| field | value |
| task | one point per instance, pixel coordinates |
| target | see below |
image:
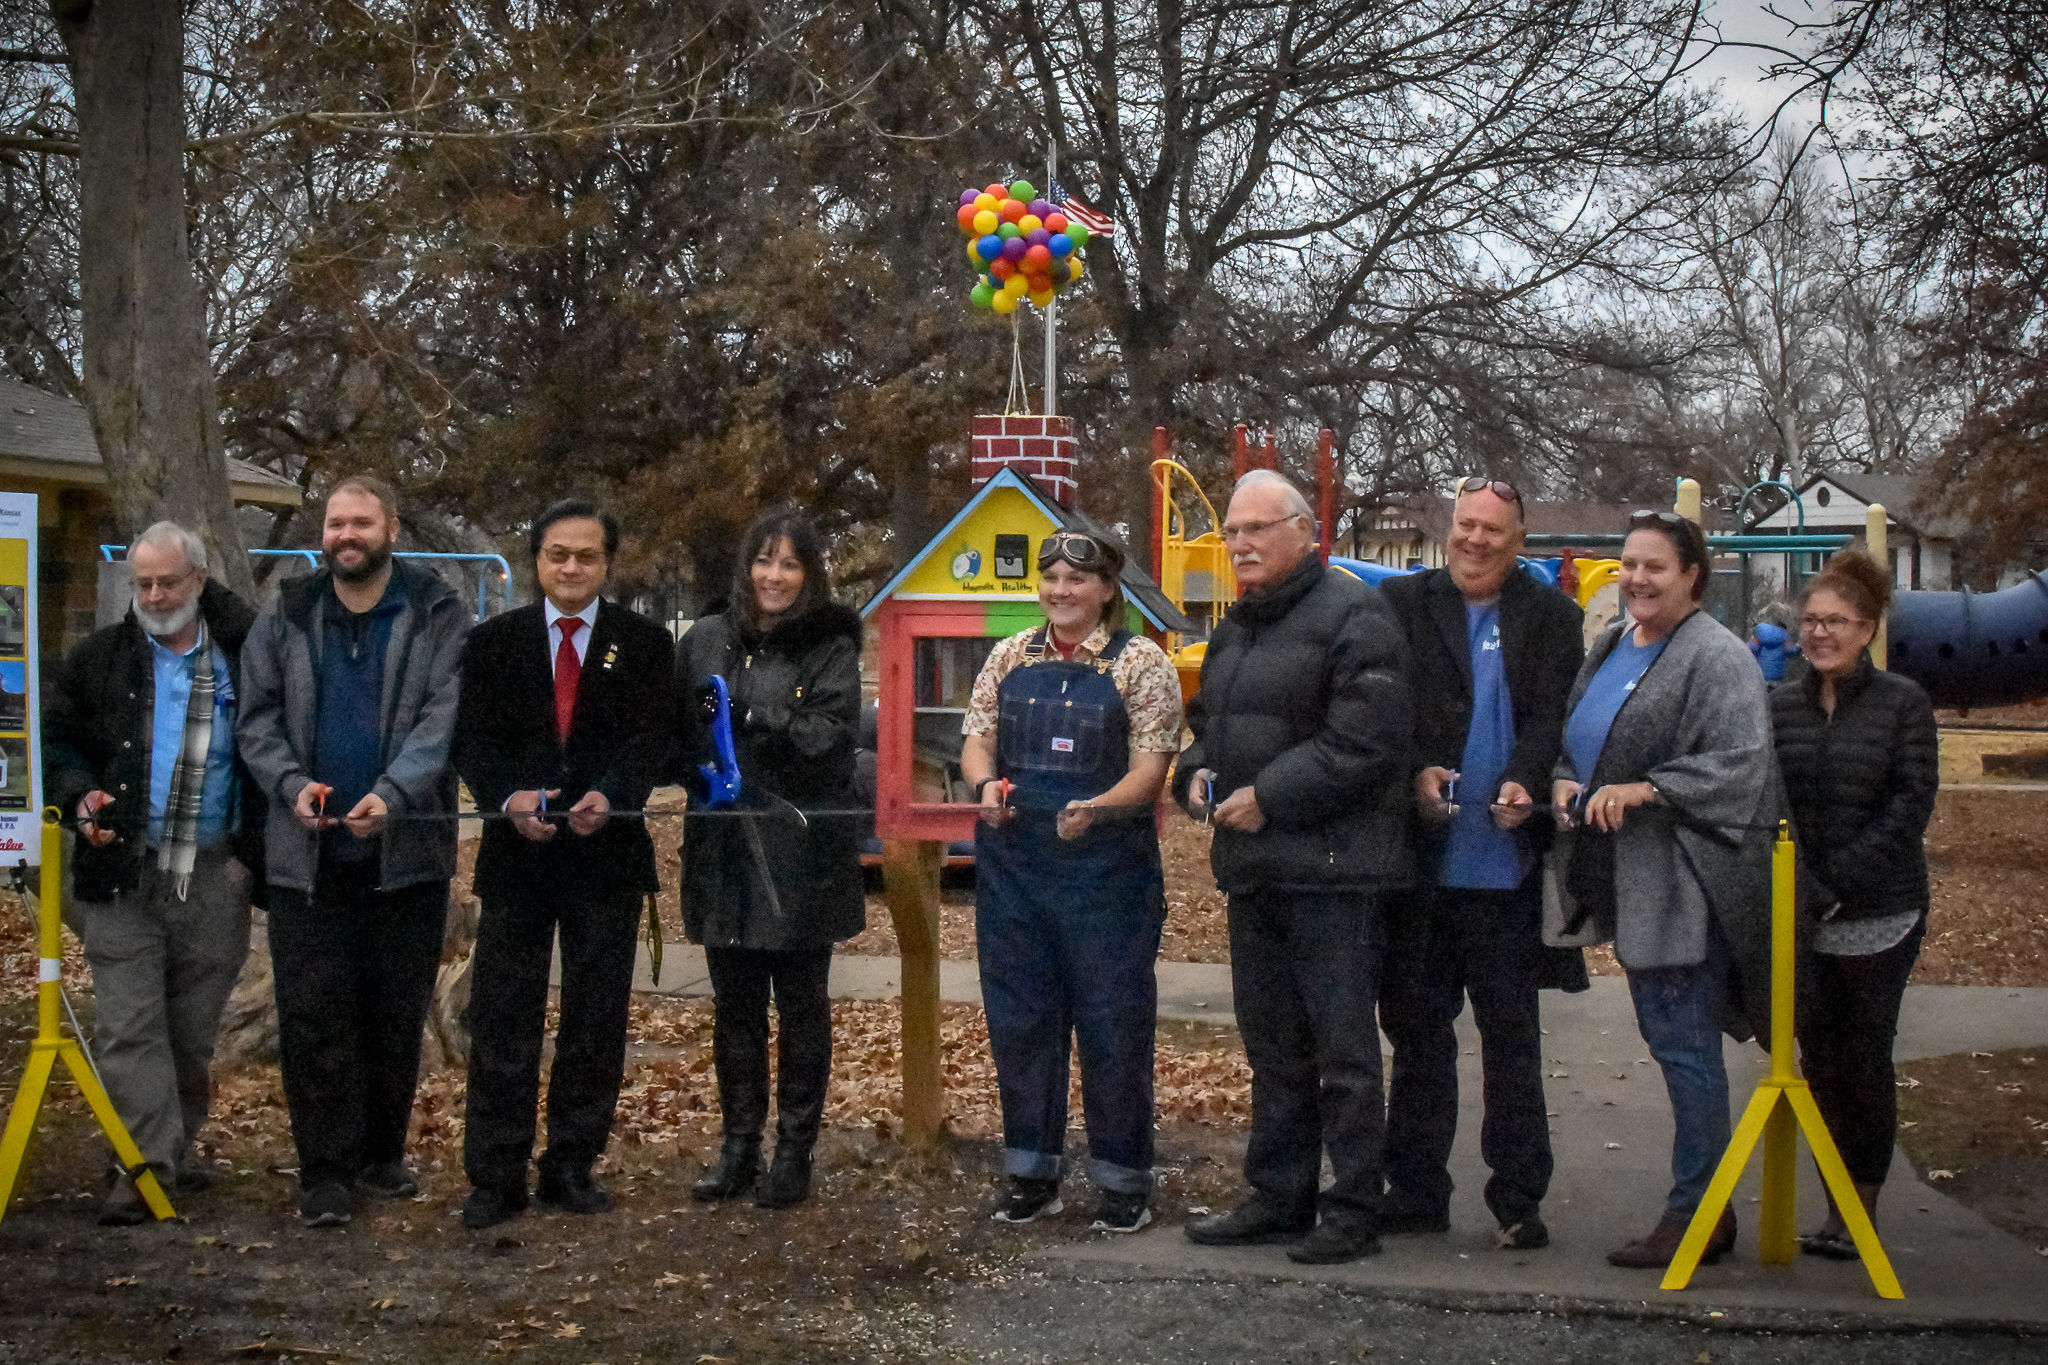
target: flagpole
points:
(1052, 368)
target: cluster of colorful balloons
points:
(1021, 246)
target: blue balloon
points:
(990, 247)
(1060, 245)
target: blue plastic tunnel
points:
(1974, 649)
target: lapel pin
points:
(611, 656)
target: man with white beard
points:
(139, 747)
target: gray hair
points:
(168, 535)
(1290, 496)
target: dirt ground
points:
(1976, 1126)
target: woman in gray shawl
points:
(1668, 786)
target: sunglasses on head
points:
(1500, 488)
(1651, 516)
(1079, 549)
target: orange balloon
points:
(1038, 260)
(1002, 268)
(965, 217)
(1038, 284)
(1010, 210)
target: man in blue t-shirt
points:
(1493, 654)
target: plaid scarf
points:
(180, 846)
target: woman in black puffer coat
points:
(768, 892)
(1858, 750)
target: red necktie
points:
(568, 672)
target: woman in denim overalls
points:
(1075, 726)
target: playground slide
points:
(1974, 649)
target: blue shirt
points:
(1480, 854)
(1585, 733)
(167, 738)
(348, 741)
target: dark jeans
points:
(1062, 969)
(1305, 971)
(1677, 1012)
(1450, 944)
(742, 980)
(355, 972)
(1848, 1014)
(508, 1003)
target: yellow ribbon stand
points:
(1782, 1107)
(51, 1046)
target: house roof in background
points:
(46, 435)
(1431, 515)
(1900, 494)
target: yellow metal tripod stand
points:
(1778, 1112)
(52, 1046)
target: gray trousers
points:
(162, 969)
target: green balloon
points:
(1007, 230)
(981, 295)
(1077, 234)
(1023, 191)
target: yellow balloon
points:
(986, 201)
(985, 221)
(974, 257)
(1016, 286)
(1003, 302)
(1074, 267)
(1043, 298)
(1030, 222)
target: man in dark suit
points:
(1492, 654)
(565, 717)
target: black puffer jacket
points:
(772, 881)
(96, 737)
(1305, 698)
(1861, 784)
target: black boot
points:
(733, 1174)
(789, 1179)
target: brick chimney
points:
(1040, 448)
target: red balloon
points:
(1010, 210)
(1056, 222)
(1038, 284)
(1001, 268)
(965, 217)
(1037, 259)
(1001, 192)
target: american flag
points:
(1095, 220)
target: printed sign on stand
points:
(21, 777)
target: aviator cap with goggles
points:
(1081, 550)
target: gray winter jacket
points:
(280, 694)
(1698, 727)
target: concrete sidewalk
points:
(1612, 1135)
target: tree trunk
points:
(148, 384)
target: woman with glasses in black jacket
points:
(1858, 750)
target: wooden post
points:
(910, 876)
(1240, 453)
(1162, 449)
(1875, 529)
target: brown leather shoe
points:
(1655, 1250)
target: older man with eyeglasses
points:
(1301, 760)
(139, 747)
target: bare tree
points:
(147, 384)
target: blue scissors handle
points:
(722, 775)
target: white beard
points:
(170, 624)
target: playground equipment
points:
(1974, 649)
